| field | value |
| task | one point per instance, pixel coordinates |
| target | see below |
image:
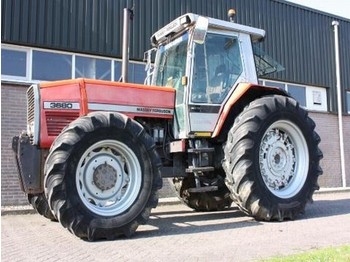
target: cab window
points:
(217, 65)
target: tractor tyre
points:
(204, 201)
(39, 203)
(102, 176)
(272, 159)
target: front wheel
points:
(39, 203)
(272, 159)
(102, 176)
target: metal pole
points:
(125, 55)
(335, 24)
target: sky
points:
(336, 7)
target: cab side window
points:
(217, 66)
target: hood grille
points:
(30, 104)
(33, 114)
(56, 121)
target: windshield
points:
(170, 65)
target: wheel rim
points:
(284, 159)
(108, 178)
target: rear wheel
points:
(204, 201)
(102, 176)
(272, 159)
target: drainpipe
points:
(125, 56)
(335, 24)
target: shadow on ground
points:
(326, 208)
(190, 222)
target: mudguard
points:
(28, 161)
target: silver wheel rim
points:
(284, 159)
(108, 178)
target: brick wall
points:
(13, 121)
(327, 128)
(346, 128)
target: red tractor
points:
(95, 152)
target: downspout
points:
(128, 13)
(335, 24)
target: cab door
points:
(216, 68)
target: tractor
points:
(95, 152)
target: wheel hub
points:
(283, 159)
(108, 177)
(105, 177)
(277, 159)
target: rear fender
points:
(241, 97)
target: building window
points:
(26, 64)
(14, 63)
(298, 93)
(276, 84)
(117, 70)
(139, 73)
(92, 68)
(136, 72)
(31, 65)
(348, 101)
(51, 66)
(310, 97)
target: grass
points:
(332, 254)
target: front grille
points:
(56, 121)
(33, 114)
(30, 105)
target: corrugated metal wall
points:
(90, 26)
(302, 40)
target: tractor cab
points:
(204, 59)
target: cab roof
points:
(189, 19)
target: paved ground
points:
(175, 233)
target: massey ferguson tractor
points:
(95, 152)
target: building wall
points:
(13, 121)
(328, 129)
(301, 39)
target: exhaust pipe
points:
(128, 14)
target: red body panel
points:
(240, 91)
(237, 94)
(132, 99)
(64, 101)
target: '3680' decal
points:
(60, 105)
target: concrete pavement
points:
(176, 233)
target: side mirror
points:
(200, 30)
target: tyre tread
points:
(56, 164)
(239, 166)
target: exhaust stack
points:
(128, 14)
